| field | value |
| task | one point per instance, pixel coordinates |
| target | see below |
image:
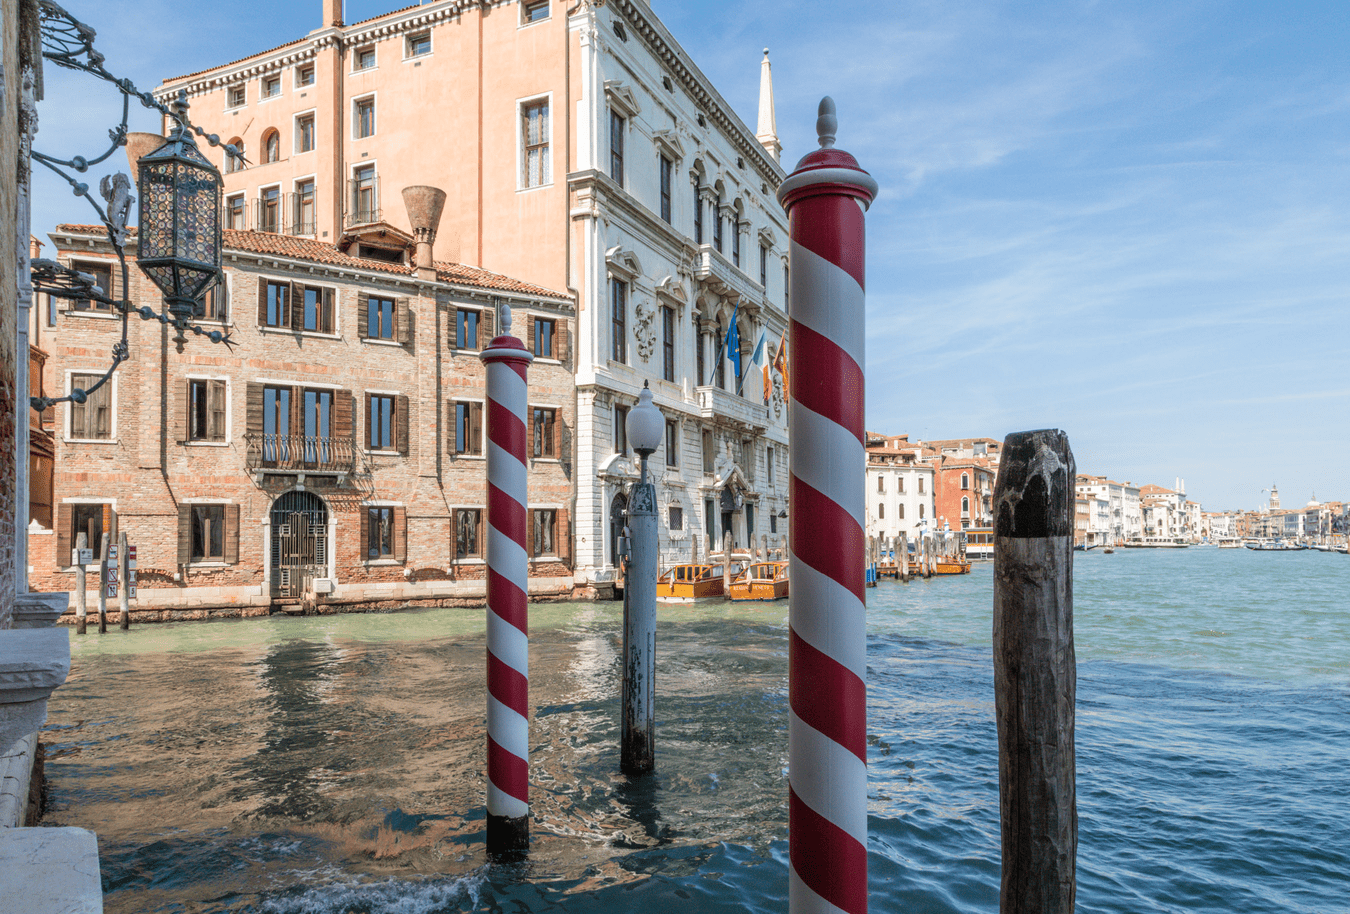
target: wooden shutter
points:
(262, 301)
(365, 534)
(328, 310)
(560, 341)
(451, 426)
(529, 332)
(401, 534)
(403, 321)
(557, 434)
(79, 418)
(215, 429)
(63, 542)
(253, 408)
(562, 537)
(184, 534)
(343, 410)
(487, 322)
(402, 420)
(231, 534)
(475, 428)
(297, 302)
(531, 521)
(180, 416)
(363, 315)
(454, 328)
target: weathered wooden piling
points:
(123, 590)
(726, 562)
(103, 585)
(902, 557)
(81, 585)
(508, 656)
(637, 739)
(1035, 674)
(826, 197)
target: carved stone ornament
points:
(777, 394)
(644, 330)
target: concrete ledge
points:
(16, 771)
(50, 871)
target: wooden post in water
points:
(902, 557)
(103, 584)
(726, 562)
(81, 597)
(1035, 673)
(123, 606)
(764, 544)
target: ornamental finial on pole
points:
(827, 125)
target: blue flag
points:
(734, 342)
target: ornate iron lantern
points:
(179, 239)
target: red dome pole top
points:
(506, 347)
(827, 170)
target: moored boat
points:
(760, 581)
(689, 583)
(951, 564)
(1156, 542)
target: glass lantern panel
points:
(155, 239)
(198, 214)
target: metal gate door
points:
(299, 543)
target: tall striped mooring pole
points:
(825, 199)
(508, 642)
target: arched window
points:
(902, 511)
(235, 162)
(965, 507)
(965, 481)
(271, 146)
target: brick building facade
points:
(335, 454)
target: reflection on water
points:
(335, 764)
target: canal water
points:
(335, 764)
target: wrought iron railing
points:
(300, 452)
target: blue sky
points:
(1124, 220)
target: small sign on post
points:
(112, 590)
(84, 557)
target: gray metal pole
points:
(637, 753)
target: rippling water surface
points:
(335, 764)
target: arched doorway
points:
(618, 517)
(299, 543)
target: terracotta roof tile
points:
(308, 249)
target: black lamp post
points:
(178, 240)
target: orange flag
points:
(780, 363)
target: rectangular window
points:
(318, 303)
(666, 168)
(769, 463)
(206, 410)
(717, 224)
(534, 10)
(419, 45)
(764, 266)
(269, 209)
(271, 86)
(621, 430)
(103, 279)
(709, 525)
(87, 519)
(304, 133)
(672, 443)
(708, 454)
(773, 523)
(676, 518)
(545, 432)
(380, 419)
(618, 291)
(364, 204)
(380, 319)
(668, 343)
(900, 485)
(276, 424)
(304, 75)
(278, 303)
(544, 526)
(238, 95)
(208, 533)
(380, 535)
(920, 485)
(698, 214)
(468, 428)
(534, 139)
(91, 420)
(234, 212)
(303, 217)
(364, 59)
(701, 342)
(543, 338)
(467, 539)
(616, 125)
(881, 484)
(735, 242)
(365, 118)
(466, 329)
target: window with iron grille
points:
(534, 134)
(616, 125)
(666, 168)
(544, 527)
(206, 410)
(618, 290)
(302, 219)
(467, 539)
(91, 420)
(676, 518)
(419, 45)
(365, 203)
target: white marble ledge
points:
(33, 662)
(50, 871)
(38, 610)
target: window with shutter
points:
(363, 319)
(468, 540)
(400, 534)
(544, 432)
(91, 420)
(466, 436)
(93, 520)
(232, 534)
(402, 423)
(205, 410)
(562, 536)
(404, 321)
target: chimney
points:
(332, 13)
(138, 145)
(424, 205)
(34, 247)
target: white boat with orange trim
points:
(760, 581)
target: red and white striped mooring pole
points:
(508, 641)
(825, 198)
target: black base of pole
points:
(508, 838)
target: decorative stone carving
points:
(644, 329)
(777, 394)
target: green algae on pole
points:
(1035, 673)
